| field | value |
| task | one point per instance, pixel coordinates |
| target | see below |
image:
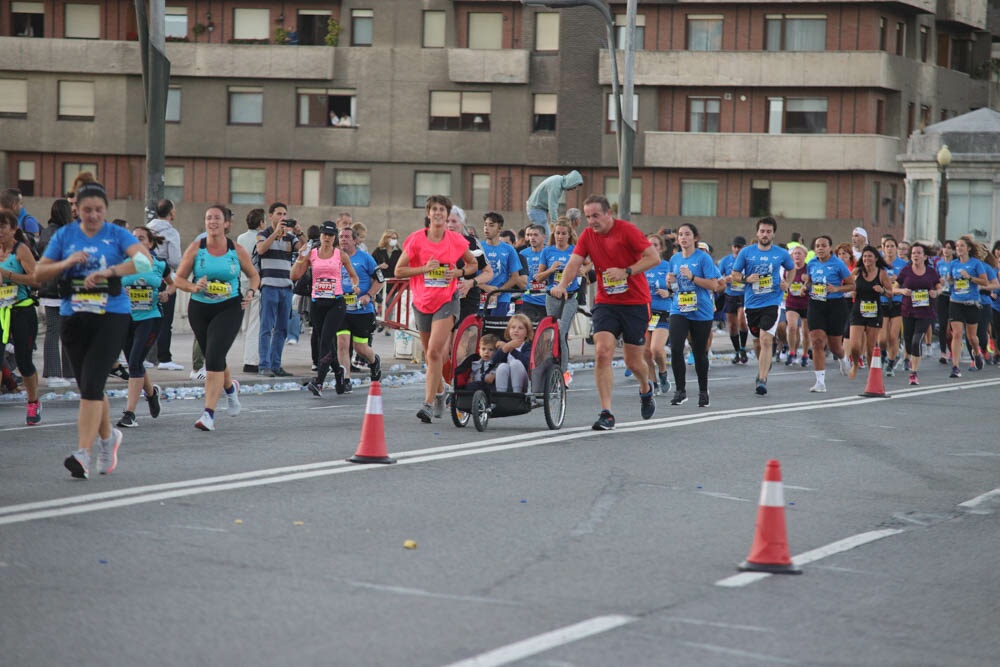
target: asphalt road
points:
(258, 545)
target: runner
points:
(758, 266)
(870, 281)
(144, 290)
(18, 316)
(694, 278)
(892, 317)
(967, 273)
(215, 311)
(620, 253)
(430, 260)
(554, 257)
(533, 303)
(797, 307)
(359, 321)
(735, 318)
(943, 301)
(89, 257)
(986, 301)
(918, 284)
(828, 279)
(659, 317)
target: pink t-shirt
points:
(430, 291)
(327, 283)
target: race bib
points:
(687, 302)
(141, 298)
(961, 286)
(612, 286)
(558, 277)
(764, 285)
(737, 286)
(324, 288)
(8, 296)
(488, 301)
(920, 298)
(217, 290)
(818, 292)
(653, 321)
(869, 309)
(89, 303)
(352, 301)
(437, 277)
(795, 289)
(536, 286)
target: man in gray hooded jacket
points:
(543, 204)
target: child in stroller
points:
(481, 370)
(512, 359)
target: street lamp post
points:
(943, 161)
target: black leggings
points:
(983, 331)
(996, 328)
(914, 330)
(942, 302)
(142, 335)
(680, 327)
(92, 342)
(215, 327)
(327, 317)
(23, 330)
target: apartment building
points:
(798, 109)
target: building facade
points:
(797, 109)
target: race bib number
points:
(437, 277)
(8, 296)
(869, 309)
(488, 301)
(653, 321)
(961, 286)
(920, 298)
(737, 286)
(687, 302)
(141, 298)
(612, 286)
(764, 285)
(795, 289)
(324, 288)
(89, 303)
(558, 277)
(217, 290)
(352, 301)
(536, 286)
(818, 292)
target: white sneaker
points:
(206, 422)
(233, 400)
(148, 364)
(107, 456)
(170, 366)
(845, 366)
(819, 388)
(199, 374)
(57, 382)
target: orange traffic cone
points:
(769, 552)
(875, 388)
(372, 446)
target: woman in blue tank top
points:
(18, 318)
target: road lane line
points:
(544, 642)
(770, 659)
(974, 503)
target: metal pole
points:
(626, 125)
(942, 226)
(156, 80)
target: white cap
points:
(861, 231)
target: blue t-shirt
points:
(944, 270)
(986, 297)
(767, 265)
(893, 271)
(963, 290)
(529, 264)
(726, 268)
(824, 274)
(691, 301)
(505, 261)
(657, 279)
(367, 269)
(143, 291)
(223, 274)
(551, 255)
(106, 248)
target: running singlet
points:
(919, 304)
(106, 248)
(866, 299)
(620, 247)
(765, 263)
(893, 271)
(797, 298)
(11, 293)
(143, 291)
(551, 255)
(734, 288)
(430, 291)
(366, 268)
(326, 275)
(222, 272)
(691, 301)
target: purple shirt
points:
(918, 304)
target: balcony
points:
(927, 6)
(971, 14)
(770, 152)
(489, 66)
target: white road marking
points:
(974, 503)
(800, 488)
(716, 624)
(418, 592)
(544, 642)
(741, 654)
(723, 496)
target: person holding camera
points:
(276, 247)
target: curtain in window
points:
(699, 198)
(798, 199)
(803, 34)
(970, 209)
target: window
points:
(961, 55)
(246, 105)
(798, 199)
(699, 197)
(879, 116)
(925, 214)
(911, 118)
(790, 32)
(70, 170)
(613, 116)
(460, 111)
(876, 201)
(173, 105)
(925, 115)
(353, 188)
(427, 183)
(796, 115)
(545, 112)
(362, 27)
(312, 27)
(900, 38)
(175, 23)
(547, 32)
(640, 31)
(26, 177)
(76, 100)
(434, 29)
(27, 19)
(943, 49)
(481, 192)
(704, 114)
(485, 30)
(704, 33)
(251, 24)
(13, 98)
(970, 208)
(611, 187)
(83, 21)
(325, 107)
(173, 184)
(883, 36)
(760, 198)
(310, 187)
(246, 186)
(924, 46)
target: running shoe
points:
(34, 413)
(376, 369)
(680, 396)
(845, 366)
(664, 382)
(790, 360)
(943, 360)
(170, 366)
(120, 372)
(656, 389)
(280, 372)
(818, 388)
(424, 413)
(233, 400)
(979, 362)
(200, 374)
(206, 422)
(107, 456)
(906, 365)
(338, 380)
(647, 405)
(690, 358)
(439, 404)
(955, 373)
(605, 421)
(348, 386)
(913, 379)
(78, 464)
(128, 420)
(628, 372)
(890, 368)
(972, 367)
(743, 356)
(315, 388)
(736, 358)
(805, 361)
(761, 388)
(703, 399)
(154, 402)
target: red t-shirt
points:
(430, 291)
(622, 246)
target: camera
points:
(289, 222)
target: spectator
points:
(275, 246)
(169, 251)
(251, 314)
(543, 204)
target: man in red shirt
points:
(620, 253)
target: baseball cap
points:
(330, 228)
(739, 242)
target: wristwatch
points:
(628, 270)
